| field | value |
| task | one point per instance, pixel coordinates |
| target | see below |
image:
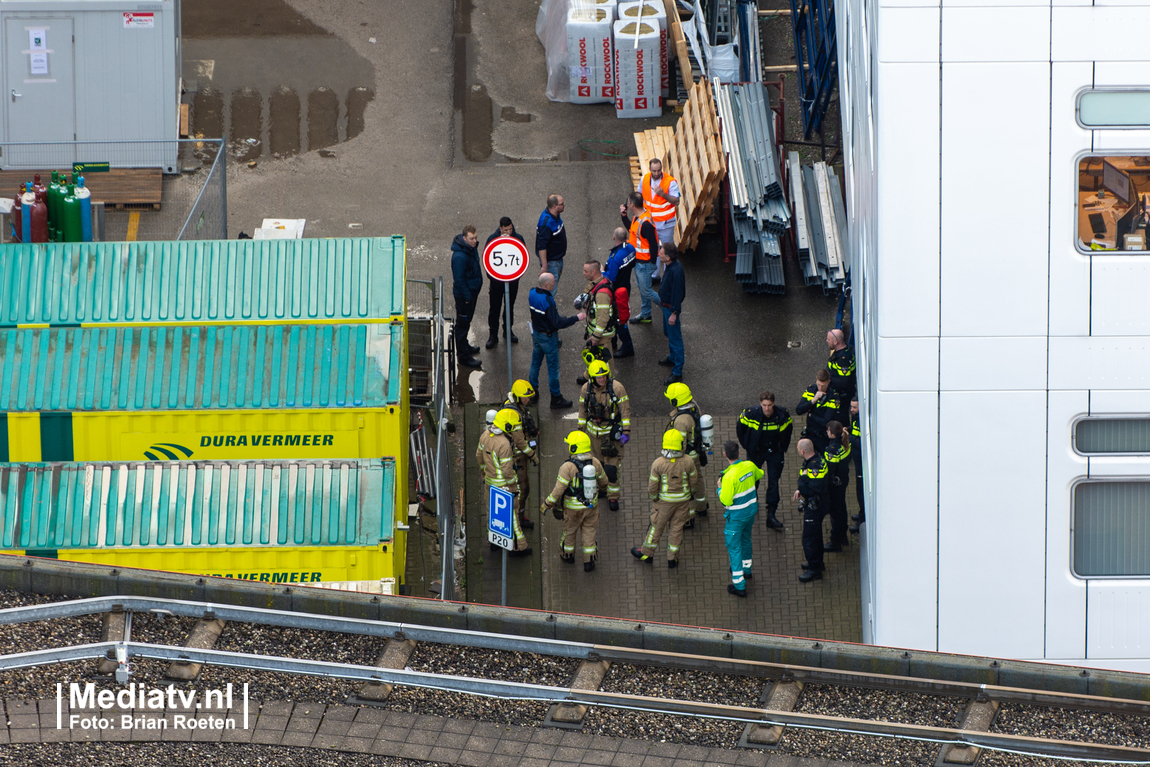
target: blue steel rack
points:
(813, 23)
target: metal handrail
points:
(1019, 744)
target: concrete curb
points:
(56, 578)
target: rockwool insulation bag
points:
(652, 10)
(637, 70)
(551, 29)
(590, 55)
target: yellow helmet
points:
(578, 443)
(673, 440)
(679, 394)
(522, 390)
(598, 368)
(506, 420)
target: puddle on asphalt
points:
(271, 81)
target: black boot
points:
(772, 521)
(491, 342)
(558, 403)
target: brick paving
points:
(695, 593)
(368, 730)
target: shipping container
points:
(242, 392)
(204, 282)
(274, 521)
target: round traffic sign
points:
(505, 259)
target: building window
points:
(1112, 529)
(1113, 192)
(1114, 109)
(1101, 436)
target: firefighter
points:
(673, 474)
(495, 456)
(738, 491)
(837, 457)
(685, 417)
(580, 504)
(605, 414)
(821, 405)
(602, 317)
(812, 498)
(526, 439)
(764, 431)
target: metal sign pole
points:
(507, 339)
(503, 593)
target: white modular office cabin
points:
(997, 170)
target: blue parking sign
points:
(500, 508)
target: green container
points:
(71, 222)
(55, 203)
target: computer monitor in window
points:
(1116, 181)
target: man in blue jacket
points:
(551, 238)
(545, 326)
(466, 282)
(672, 291)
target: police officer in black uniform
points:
(814, 502)
(841, 365)
(764, 431)
(821, 405)
(856, 454)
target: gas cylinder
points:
(707, 429)
(38, 185)
(35, 217)
(70, 224)
(84, 195)
(18, 215)
(55, 204)
(590, 486)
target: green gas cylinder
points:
(72, 225)
(55, 200)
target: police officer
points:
(601, 316)
(673, 474)
(765, 433)
(856, 454)
(545, 326)
(580, 510)
(495, 456)
(738, 491)
(526, 438)
(685, 418)
(821, 406)
(837, 456)
(841, 365)
(812, 498)
(605, 414)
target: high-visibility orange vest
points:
(661, 210)
(642, 252)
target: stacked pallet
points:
(693, 156)
(820, 223)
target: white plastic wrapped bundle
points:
(653, 11)
(590, 55)
(637, 69)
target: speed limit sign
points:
(505, 259)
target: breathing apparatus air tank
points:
(491, 417)
(590, 486)
(707, 429)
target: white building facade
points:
(1000, 269)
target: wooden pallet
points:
(651, 144)
(119, 186)
(678, 39)
(697, 162)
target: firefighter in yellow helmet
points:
(605, 414)
(673, 474)
(578, 495)
(685, 416)
(495, 456)
(525, 438)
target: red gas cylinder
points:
(18, 214)
(39, 217)
(37, 186)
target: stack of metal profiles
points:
(759, 214)
(820, 223)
